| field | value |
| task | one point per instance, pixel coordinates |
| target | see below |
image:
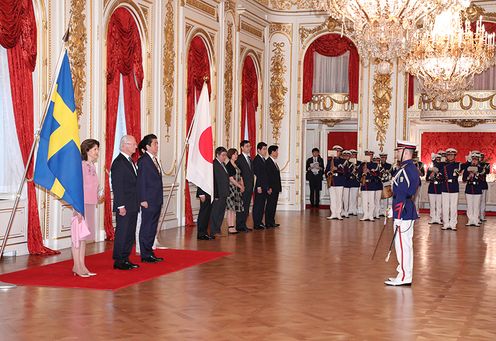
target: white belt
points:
(450, 180)
(435, 182)
(335, 174)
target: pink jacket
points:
(90, 183)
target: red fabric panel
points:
(21, 52)
(332, 45)
(463, 142)
(123, 57)
(346, 139)
(249, 101)
(411, 90)
(198, 72)
(18, 26)
(489, 26)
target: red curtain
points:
(123, 57)
(332, 45)
(490, 27)
(198, 72)
(463, 142)
(18, 36)
(249, 101)
(411, 90)
(346, 139)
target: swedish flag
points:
(58, 162)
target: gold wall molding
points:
(230, 6)
(474, 12)
(278, 88)
(169, 65)
(228, 82)
(77, 51)
(187, 28)
(330, 25)
(202, 6)
(330, 123)
(250, 29)
(382, 95)
(289, 4)
(286, 29)
(468, 123)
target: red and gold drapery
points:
(332, 45)
(123, 57)
(18, 36)
(249, 101)
(198, 73)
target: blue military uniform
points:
(473, 189)
(450, 172)
(486, 170)
(434, 177)
(405, 184)
(336, 188)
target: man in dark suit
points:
(314, 176)
(123, 174)
(221, 190)
(275, 186)
(203, 214)
(244, 163)
(261, 185)
(151, 198)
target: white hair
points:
(124, 139)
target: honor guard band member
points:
(450, 171)
(387, 169)
(378, 186)
(350, 196)
(434, 178)
(335, 172)
(486, 169)
(367, 186)
(405, 185)
(473, 188)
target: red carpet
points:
(60, 274)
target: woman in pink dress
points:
(83, 229)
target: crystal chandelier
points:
(446, 56)
(382, 28)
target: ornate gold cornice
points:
(77, 51)
(289, 4)
(382, 95)
(330, 123)
(474, 12)
(329, 25)
(251, 30)
(467, 123)
(169, 64)
(201, 6)
(228, 81)
(278, 88)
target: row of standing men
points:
(346, 176)
(236, 178)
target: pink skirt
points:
(90, 218)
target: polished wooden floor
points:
(311, 279)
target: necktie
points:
(157, 164)
(223, 166)
(249, 160)
(132, 163)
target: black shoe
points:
(269, 226)
(211, 237)
(132, 265)
(122, 266)
(277, 225)
(152, 259)
(259, 227)
(204, 237)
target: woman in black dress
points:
(236, 188)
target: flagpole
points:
(169, 197)
(31, 153)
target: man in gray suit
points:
(221, 190)
(244, 163)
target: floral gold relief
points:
(278, 89)
(228, 82)
(169, 64)
(281, 28)
(330, 25)
(382, 95)
(77, 51)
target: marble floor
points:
(310, 279)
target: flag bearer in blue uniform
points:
(405, 185)
(434, 178)
(473, 189)
(450, 171)
(336, 170)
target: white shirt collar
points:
(125, 155)
(151, 155)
